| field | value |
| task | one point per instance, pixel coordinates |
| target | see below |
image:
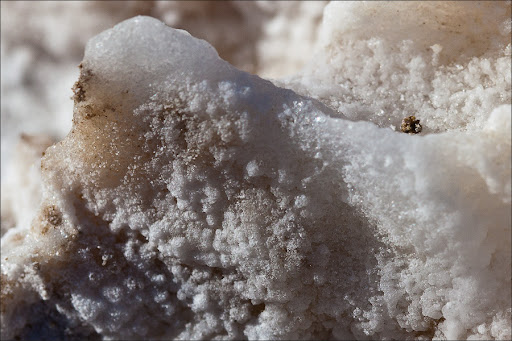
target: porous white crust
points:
(192, 200)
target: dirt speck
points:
(410, 125)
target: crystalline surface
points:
(192, 200)
(39, 61)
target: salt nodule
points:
(192, 200)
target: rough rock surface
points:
(192, 200)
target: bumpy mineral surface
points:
(192, 200)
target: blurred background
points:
(42, 43)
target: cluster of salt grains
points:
(39, 62)
(432, 61)
(192, 200)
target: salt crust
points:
(39, 61)
(192, 200)
(447, 63)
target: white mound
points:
(192, 200)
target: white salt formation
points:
(192, 200)
(39, 58)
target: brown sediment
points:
(411, 125)
(50, 217)
(79, 87)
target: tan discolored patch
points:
(51, 218)
(79, 88)
(53, 215)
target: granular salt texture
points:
(192, 200)
(447, 63)
(39, 61)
